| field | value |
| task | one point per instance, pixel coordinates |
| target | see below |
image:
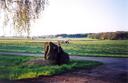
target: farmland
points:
(83, 47)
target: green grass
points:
(13, 67)
(20, 46)
(113, 48)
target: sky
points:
(82, 16)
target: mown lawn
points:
(13, 67)
(114, 48)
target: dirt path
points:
(114, 70)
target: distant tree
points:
(21, 12)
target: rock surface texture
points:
(55, 54)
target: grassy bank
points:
(113, 48)
(13, 67)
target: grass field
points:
(84, 47)
(14, 67)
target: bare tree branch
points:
(22, 11)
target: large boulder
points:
(55, 54)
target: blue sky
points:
(82, 16)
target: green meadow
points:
(14, 67)
(83, 47)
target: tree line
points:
(119, 35)
(72, 35)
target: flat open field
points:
(84, 47)
(15, 67)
